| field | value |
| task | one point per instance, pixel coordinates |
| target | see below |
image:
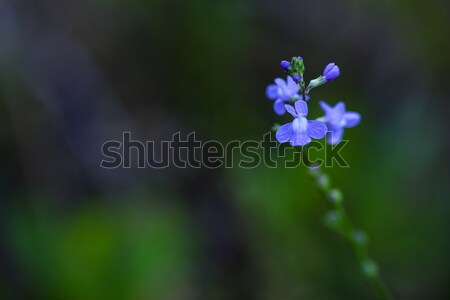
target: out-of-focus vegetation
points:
(74, 74)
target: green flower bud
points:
(369, 268)
(333, 219)
(359, 237)
(297, 67)
(335, 195)
(323, 181)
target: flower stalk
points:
(301, 131)
(338, 220)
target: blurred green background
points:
(74, 74)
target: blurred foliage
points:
(132, 251)
(68, 232)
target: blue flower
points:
(337, 119)
(281, 92)
(300, 131)
(331, 72)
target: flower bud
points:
(297, 66)
(335, 195)
(285, 65)
(369, 268)
(331, 71)
(333, 219)
(359, 237)
(275, 127)
(323, 181)
(296, 78)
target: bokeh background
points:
(74, 74)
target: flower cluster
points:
(293, 90)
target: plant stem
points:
(338, 220)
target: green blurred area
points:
(232, 233)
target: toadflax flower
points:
(300, 131)
(281, 92)
(337, 119)
(331, 72)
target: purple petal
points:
(351, 119)
(306, 97)
(285, 65)
(316, 129)
(279, 81)
(291, 83)
(278, 107)
(281, 84)
(335, 72)
(272, 91)
(331, 71)
(325, 107)
(339, 108)
(292, 87)
(334, 135)
(290, 109)
(328, 68)
(300, 139)
(284, 133)
(300, 124)
(302, 108)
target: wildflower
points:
(331, 72)
(281, 92)
(300, 131)
(337, 118)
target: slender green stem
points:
(302, 88)
(338, 220)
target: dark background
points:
(74, 74)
